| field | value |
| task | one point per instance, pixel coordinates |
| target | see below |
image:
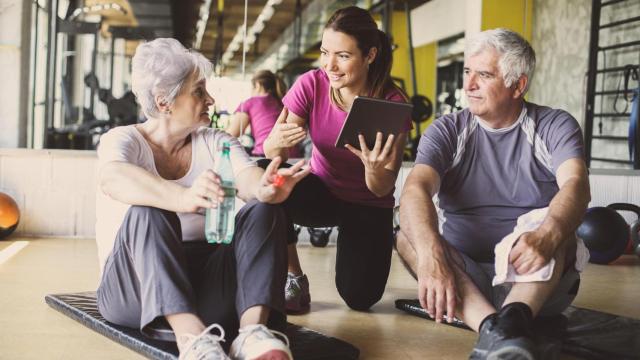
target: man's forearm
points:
(567, 209)
(419, 220)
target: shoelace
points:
(191, 339)
(294, 281)
(261, 329)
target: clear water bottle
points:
(220, 222)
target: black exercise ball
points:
(605, 233)
(9, 215)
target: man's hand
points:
(532, 251)
(286, 135)
(437, 286)
(276, 184)
(205, 192)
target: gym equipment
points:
(634, 228)
(584, 333)
(9, 215)
(319, 236)
(82, 307)
(422, 108)
(606, 57)
(122, 111)
(605, 233)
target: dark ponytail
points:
(358, 23)
(270, 82)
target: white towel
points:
(529, 222)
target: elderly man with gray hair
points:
(489, 165)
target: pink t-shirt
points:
(341, 171)
(263, 112)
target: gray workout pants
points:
(151, 272)
(482, 275)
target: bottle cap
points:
(278, 180)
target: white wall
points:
(439, 19)
(54, 189)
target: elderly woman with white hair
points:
(155, 183)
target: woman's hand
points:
(377, 158)
(276, 184)
(286, 135)
(205, 192)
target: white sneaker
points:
(257, 342)
(204, 346)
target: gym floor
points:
(29, 329)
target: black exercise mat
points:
(584, 333)
(305, 344)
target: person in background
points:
(155, 180)
(349, 187)
(260, 112)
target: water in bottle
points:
(220, 222)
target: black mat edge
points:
(87, 320)
(153, 349)
(569, 345)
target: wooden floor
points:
(29, 329)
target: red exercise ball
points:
(9, 215)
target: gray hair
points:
(517, 57)
(160, 68)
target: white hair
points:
(160, 68)
(517, 57)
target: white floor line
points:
(11, 250)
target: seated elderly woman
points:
(155, 182)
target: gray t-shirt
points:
(489, 177)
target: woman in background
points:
(260, 112)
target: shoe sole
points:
(511, 352)
(300, 308)
(273, 355)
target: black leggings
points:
(365, 238)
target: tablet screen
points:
(369, 116)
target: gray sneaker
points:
(296, 294)
(204, 346)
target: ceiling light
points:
(258, 26)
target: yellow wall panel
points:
(401, 66)
(516, 15)
(425, 60)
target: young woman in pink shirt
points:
(351, 188)
(260, 111)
